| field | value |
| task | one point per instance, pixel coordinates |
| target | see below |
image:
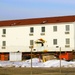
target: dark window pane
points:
(67, 27)
(55, 41)
(43, 29)
(4, 31)
(54, 28)
(31, 42)
(31, 29)
(4, 43)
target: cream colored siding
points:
(18, 37)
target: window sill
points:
(67, 32)
(3, 47)
(31, 34)
(67, 46)
(3, 35)
(42, 33)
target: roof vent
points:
(13, 24)
(43, 22)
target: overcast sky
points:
(22, 9)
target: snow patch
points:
(36, 63)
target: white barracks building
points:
(44, 34)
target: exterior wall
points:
(18, 39)
(74, 35)
(59, 35)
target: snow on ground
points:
(36, 63)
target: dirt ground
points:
(37, 71)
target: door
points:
(15, 56)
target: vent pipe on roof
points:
(13, 24)
(43, 22)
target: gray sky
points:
(22, 9)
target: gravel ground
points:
(37, 71)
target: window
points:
(55, 41)
(31, 42)
(67, 27)
(42, 29)
(54, 28)
(3, 43)
(67, 41)
(31, 29)
(4, 31)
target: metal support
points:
(60, 59)
(31, 59)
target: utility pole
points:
(31, 59)
(60, 59)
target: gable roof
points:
(38, 21)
